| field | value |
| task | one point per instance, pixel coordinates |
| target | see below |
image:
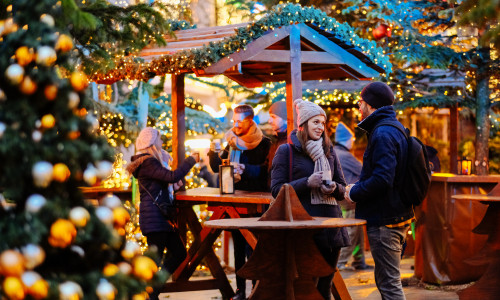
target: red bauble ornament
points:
(381, 31)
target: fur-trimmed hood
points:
(136, 161)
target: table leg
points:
(233, 214)
(339, 289)
(199, 250)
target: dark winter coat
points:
(302, 168)
(276, 141)
(254, 177)
(376, 195)
(153, 177)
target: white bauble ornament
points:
(15, 74)
(46, 56)
(70, 290)
(42, 173)
(105, 290)
(79, 216)
(36, 136)
(33, 254)
(29, 278)
(131, 249)
(92, 119)
(104, 169)
(125, 267)
(73, 100)
(105, 214)
(2, 129)
(90, 175)
(47, 19)
(34, 203)
(111, 201)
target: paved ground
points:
(361, 285)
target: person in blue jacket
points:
(150, 166)
(376, 192)
(316, 177)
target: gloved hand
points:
(239, 168)
(328, 189)
(237, 177)
(314, 181)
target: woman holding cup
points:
(314, 171)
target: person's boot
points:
(240, 295)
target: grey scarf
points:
(315, 151)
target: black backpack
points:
(416, 178)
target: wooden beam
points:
(294, 84)
(251, 49)
(337, 51)
(307, 57)
(454, 139)
(178, 120)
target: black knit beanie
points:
(377, 94)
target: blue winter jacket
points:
(153, 177)
(376, 193)
(303, 167)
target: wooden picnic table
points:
(237, 205)
(488, 286)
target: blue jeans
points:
(386, 245)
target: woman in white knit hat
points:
(315, 174)
(157, 183)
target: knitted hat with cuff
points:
(306, 110)
(147, 137)
(278, 108)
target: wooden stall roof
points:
(267, 59)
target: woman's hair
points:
(303, 137)
(154, 151)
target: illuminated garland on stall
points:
(280, 15)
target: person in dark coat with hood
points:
(376, 194)
(277, 120)
(150, 166)
(313, 162)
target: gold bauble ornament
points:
(15, 74)
(35, 285)
(78, 81)
(2, 95)
(50, 92)
(79, 216)
(64, 43)
(131, 249)
(42, 173)
(13, 288)
(48, 121)
(110, 270)
(141, 296)
(28, 86)
(11, 263)
(46, 56)
(62, 233)
(70, 290)
(144, 267)
(33, 255)
(120, 217)
(24, 56)
(73, 135)
(105, 290)
(8, 27)
(61, 172)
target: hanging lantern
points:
(226, 177)
(381, 31)
(464, 166)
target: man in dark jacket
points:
(351, 166)
(277, 120)
(376, 193)
(246, 149)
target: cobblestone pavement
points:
(361, 285)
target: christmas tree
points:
(54, 244)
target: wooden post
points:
(294, 81)
(454, 139)
(178, 121)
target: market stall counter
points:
(444, 238)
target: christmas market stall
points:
(291, 43)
